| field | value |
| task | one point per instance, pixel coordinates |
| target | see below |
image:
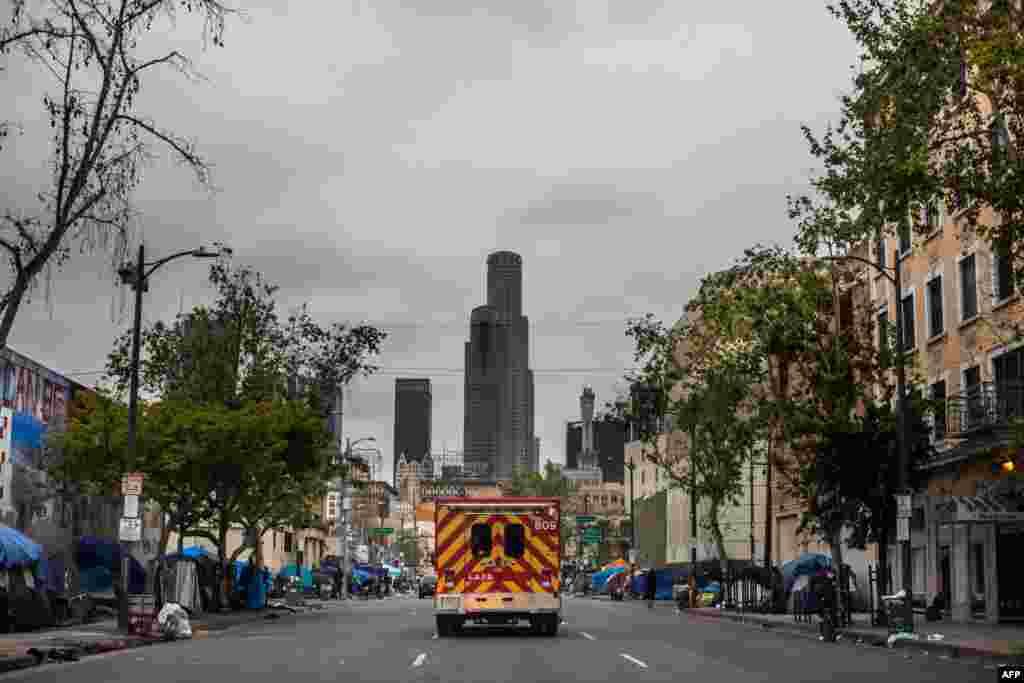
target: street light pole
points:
(902, 438)
(138, 278)
(904, 452)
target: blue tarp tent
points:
(304, 573)
(663, 579)
(96, 559)
(807, 564)
(598, 580)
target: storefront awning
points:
(977, 509)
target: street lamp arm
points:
(196, 253)
(881, 270)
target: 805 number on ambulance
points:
(497, 562)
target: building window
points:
(939, 397)
(880, 249)
(968, 289)
(288, 542)
(979, 569)
(1004, 272)
(883, 330)
(480, 540)
(515, 540)
(935, 322)
(972, 388)
(907, 313)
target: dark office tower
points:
(412, 420)
(498, 420)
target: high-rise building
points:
(412, 421)
(498, 420)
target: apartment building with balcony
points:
(960, 308)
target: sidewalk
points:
(957, 640)
(941, 637)
(23, 650)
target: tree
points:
(935, 116)
(550, 484)
(706, 387)
(97, 53)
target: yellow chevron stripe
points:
(485, 587)
(512, 587)
(535, 585)
(445, 532)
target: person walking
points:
(650, 588)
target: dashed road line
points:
(587, 635)
(633, 659)
(420, 658)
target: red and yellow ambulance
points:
(497, 562)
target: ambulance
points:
(497, 562)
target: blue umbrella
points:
(808, 564)
(17, 549)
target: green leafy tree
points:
(934, 117)
(96, 55)
(706, 388)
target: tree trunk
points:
(836, 546)
(715, 527)
(223, 585)
(17, 293)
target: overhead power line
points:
(446, 371)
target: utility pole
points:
(904, 505)
(693, 521)
(752, 521)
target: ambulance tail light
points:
(449, 577)
(545, 578)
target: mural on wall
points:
(30, 389)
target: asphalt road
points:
(394, 640)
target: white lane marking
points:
(587, 636)
(633, 659)
(341, 662)
(433, 637)
(419, 659)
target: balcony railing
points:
(986, 406)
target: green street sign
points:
(381, 531)
(585, 519)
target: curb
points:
(869, 637)
(17, 662)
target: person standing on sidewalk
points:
(650, 588)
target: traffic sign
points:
(131, 529)
(131, 484)
(585, 519)
(381, 531)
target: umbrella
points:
(17, 549)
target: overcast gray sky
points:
(372, 152)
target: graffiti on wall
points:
(30, 389)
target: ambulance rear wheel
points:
(553, 623)
(445, 626)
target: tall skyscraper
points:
(498, 418)
(413, 410)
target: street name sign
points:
(585, 519)
(131, 529)
(131, 506)
(381, 531)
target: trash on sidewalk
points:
(173, 621)
(891, 640)
(278, 604)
